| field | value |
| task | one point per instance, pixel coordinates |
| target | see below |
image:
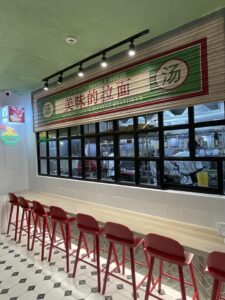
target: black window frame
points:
(115, 134)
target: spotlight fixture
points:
(101, 53)
(104, 62)
(80, 71)
(132, 50)
(60, 79)
(46, 86)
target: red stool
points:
(88, 225)
(26, 214)
(216, 268)
(120, 234)
(40, 214)
(169, 250)
(59, 216)
(13, 200)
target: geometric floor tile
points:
(24, 277)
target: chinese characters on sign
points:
(172, 74)
(101, 94)
(98, 95)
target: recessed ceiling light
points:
(71, 40)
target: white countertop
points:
(191, 236)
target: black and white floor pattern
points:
(24, 277)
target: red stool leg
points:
(124, 260)
(94, 250)
(10, 217)
(107, 267)
(28, 229)
(116, 258)
(160, 276)
(63, 233)
(77, 254)
(52, 240)
(216, 289)
(17, 221)
(67, 247)
(86, 245)
(48, 229)
(133, 273)
(98, 262)
(194, 281)
(182, 286)
(145, 253)
(35, 230)
(21, 225)
(43, 239)
(152, 261)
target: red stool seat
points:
(59, 216)
(26, 214)
(14, 202)
(40, 215)
(120, 234)
(216, 268)
(168, 250)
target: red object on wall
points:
(16, 114)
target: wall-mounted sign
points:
(13, 114)
(176, 74)
(8, 135)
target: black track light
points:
(46, 86)
(60, 79)
(104, 62)
(132, 50)
(80, 71)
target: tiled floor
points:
(24, 277)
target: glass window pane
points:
(126, 124)
(75, 131)
(90, 146)
(106, 126)
(52, 148)
(126, 143)
(63, 132)
(90, 169)
(107, 170)
(176, 143)
(53, 167)
(89, 128)
(64, 168)
(76, 147)
(175, 116)
(63, 148)
(148, 121)
(106, 146)
(192, 173)
(43, 166)
(76, 168)
(42, 148)
(42, 135)
(148, 173)
(209, 112)
(52, 134)
(149, 144)
(127, 171)
(210, 141)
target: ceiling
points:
(33, 33)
